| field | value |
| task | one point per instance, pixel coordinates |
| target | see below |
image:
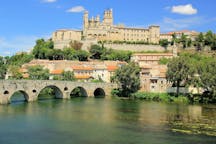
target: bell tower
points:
(108, 17)
(85, 22)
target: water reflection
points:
(91, 120)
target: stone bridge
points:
(62, 89)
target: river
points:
(106, 121)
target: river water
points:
(106, 121)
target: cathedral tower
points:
(108, 17)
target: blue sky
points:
(24, 21)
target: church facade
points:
(104, 30)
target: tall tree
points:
(179, 71)
(164, 43)
(3, 68)
(128, 77)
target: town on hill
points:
(175, 62)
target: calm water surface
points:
(106, 121)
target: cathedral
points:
(104, 30)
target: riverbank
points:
(160, 97)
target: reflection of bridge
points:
(62, 89)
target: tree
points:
(68, 76)
(199, 41)
(3, 68)
(96, 51)
(183, 40)
(14, 70)
(164, 43)
(75, 45)
(37, 72)
(128, 77)
(209, 38)
(42, 48)
(208, 77)
(179, 71)
(19, 59)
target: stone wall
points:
(136, 47)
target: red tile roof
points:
(112, 67)
(56, 72)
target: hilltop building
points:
(105, 30)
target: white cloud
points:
(49, 1)
(76, 9)
(170, 24)
(184, 9)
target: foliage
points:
(164, 61)
(195, 69)
(75, 45)
(43, 48)
(96, 51)
(68, 76)
(128, 79)
(3, 68)
(38, 73)
(19, 59)
(164, 43)
(208, 78)
(14, 70)
(99, 52)
(160, 97)
(179, 71)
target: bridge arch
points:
(18, 95)
(99, 92)
(56, 91)
(79, 92)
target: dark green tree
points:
(128, 77)
(208, 78)
(209, 38)
(164, 43)
(96, 51)
(179, 71)
(3, 68)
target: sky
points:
(22, 22)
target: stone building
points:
(105, 30)
(153, 75)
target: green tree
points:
(183, 40)
(199, 41)
(38, 73)
(209, 38)
(208, 77)
(42, 48)
(19, 59)
(3, 68)
(68, 76)
(179, 71)
(14, 70)
(128, 77)
(96, 51)
(164, 43)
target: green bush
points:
(160, 97)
